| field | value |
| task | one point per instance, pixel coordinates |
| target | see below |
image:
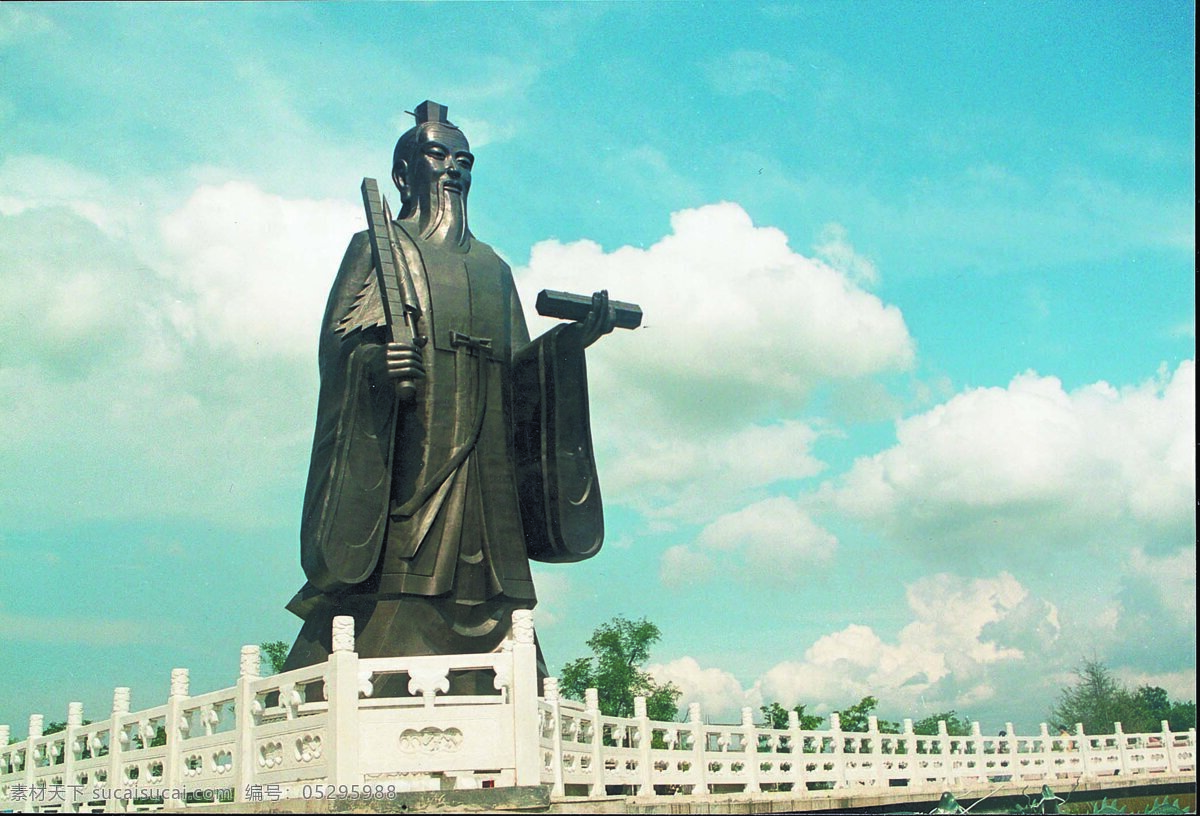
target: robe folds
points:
(423, 517)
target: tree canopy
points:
(856, 717)
(956, 726)
(776, 716)
(276, 652)
(620, 650)
(1098, 699)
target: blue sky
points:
(912, 414)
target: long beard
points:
(446, 220)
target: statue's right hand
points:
(404, 362)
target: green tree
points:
(855, 718)
(620, 649)
(276, 652)
(1183, 716)
(956, 726)
(1097, 700)
(776, 716)
(1155, 706)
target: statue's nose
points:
(453, 170)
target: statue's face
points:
(440, 166)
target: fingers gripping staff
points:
(398, 294)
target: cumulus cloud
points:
(1154, 612)
(1171, 579)
(80, 630)
(972, 645)
(115, 363)
(681, 566)
(943, 659)
(772, 541)
(738, 331)
(35, 182)
(746, 71)
(553, 594)
(256, 266)
(668, 473)
(718, 692)
(834, 247)
(1033, 463)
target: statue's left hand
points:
(600, 320)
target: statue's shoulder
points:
(358, 252)
(483, 253)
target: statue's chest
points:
(466, 301)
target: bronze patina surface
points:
(449, 447)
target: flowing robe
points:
(441, 502)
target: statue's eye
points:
(466, 160)
(435, 152)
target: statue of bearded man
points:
(420, 516)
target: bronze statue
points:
(449, 448)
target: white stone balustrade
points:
(295, 734)
(696, 758)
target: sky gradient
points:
(912, 413)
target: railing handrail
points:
(265, 729)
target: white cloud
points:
(86, 630)
(971, 645)
(257, 266)
(681, 566)
(746, 71)
(1179, 685)
(31, 182)
(835, 249)
(773, 531)
(738, 330)
(1171, 579)
(17, 22)
(483, 132)
(115, 362)
(553, 594)
(718, 692)
(1154, 613)
(1032, 462)
(771, 541)
(668, 473)
(943, 659)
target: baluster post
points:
(1168, 741)
(699, 749)
(1013, 744)
(32, 747)
(1191, 742)
(116, 745)
(839, 750)
(249, 670)
(976, 758)
(591, 701)
(550, 691)
(875, 755)
(342, 690)
(1085, 750)
(750, 745)
(1122, 752)
(796, 743)
(525, 699)
(944, 760)
(645, 766)
(909, 741)
(1046, 758)
(70, 758)
(173, 764)
(5, 731)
